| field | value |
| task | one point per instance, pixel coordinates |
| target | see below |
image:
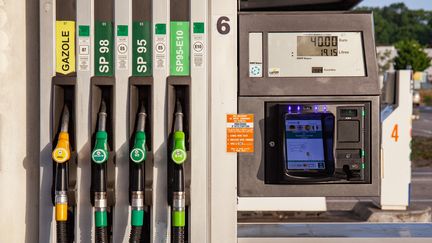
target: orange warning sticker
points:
(240, 133)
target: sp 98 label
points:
(104, 49)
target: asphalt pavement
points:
(421, 183)
(423, 126)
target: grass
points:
(421, 155)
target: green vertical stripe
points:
(179, 48)
(101, 219)
(178, 218)
(142, 48)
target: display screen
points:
(348, 112)
(317, 45)
(304, 144)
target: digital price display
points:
(317, 45)
(315, 54)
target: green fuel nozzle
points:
(99, 176)
(178, 154)
(138, 153)
(100, 150)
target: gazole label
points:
(65, 47)
(104, 49)
(142, 48)
(180, 48)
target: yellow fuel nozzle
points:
(62, 152)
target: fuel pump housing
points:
(310, 79)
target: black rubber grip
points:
(61, 177)
(178, 178)
(136, 234)
(178, 235)
(62, 236)
(101, 235)
(99, 177)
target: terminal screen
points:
(304, 145)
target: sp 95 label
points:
(142, 49)
(180, 48)
(104, 49)
(65, 47)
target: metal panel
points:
(251, 166)
(121, 215)
(160, 221)
(396, 163)
(308, 5)
(84, 218)
(199, 215)
(47, 43)
(223, 100)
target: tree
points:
(397, 22)
(411, 53)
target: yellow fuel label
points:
(65, 47)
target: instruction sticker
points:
(65, 47)
(122, 47)
(240, 133)
(198, 45)
(84, 48)
(160, 46)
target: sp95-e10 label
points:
(65, 47)
(180, 48)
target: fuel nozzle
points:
(100, 150)
(61, 153)
(178, 154)
(99, 173)
(138, 152)
(138, 155)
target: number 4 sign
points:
(395, 133)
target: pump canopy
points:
(297, 5)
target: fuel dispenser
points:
(102, 190)
(63, 123)
(179, 83)
(310, 80)
(129, 120)
(140, 126)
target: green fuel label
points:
(142, 48)
(180, 48)
(104, 57)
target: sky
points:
(412, 4)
